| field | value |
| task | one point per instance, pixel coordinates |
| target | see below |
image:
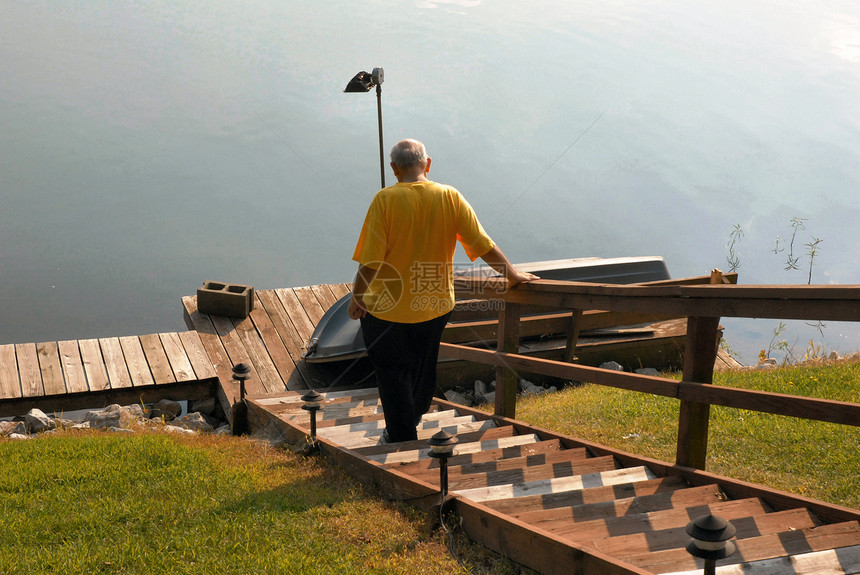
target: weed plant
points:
(90, 502)
(809, 458)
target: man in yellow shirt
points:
(404, 289)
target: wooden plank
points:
(156, 358)
(547, 486)
(540, 450)
(783, 544)
(135, 361)
(237, 353)
(309, 303)
(506, 377)
(587, 496)
(94, 365)
(178, 360)
(28, 369)
(288, 335)
(115, 363)
(624, 546)
(73, 367)
(10, 383)
(628, 506)
(340, 290)
(637, 523)
(324, 296)
(703, 336)
(272, 342)
(830, 562)
(532, 473)
(196, 354)
(297, 314)
(50, 368)
(267, 374)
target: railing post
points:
(572, 335)
(509, 342)
(700, 353)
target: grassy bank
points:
(813, 459)
(157, 503)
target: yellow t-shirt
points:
(409, 236)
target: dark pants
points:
(404, 356)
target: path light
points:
(241, 372)
(710, 542)
(363, 82)
(312, 401)
(239, 424)
(441, 448)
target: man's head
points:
(409, 160)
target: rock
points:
(455, 397)
(177, 429)
(9, 428)
(203, 406)
(166, 409)
(647, 371)
(114, 416)
(480, 388)
(614, 365)
(223, 430)
(490, 397)
(192, 421)
(37, 421)
(18, 436)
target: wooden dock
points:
(59, 376)
(562, 505)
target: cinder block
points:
(232, 300)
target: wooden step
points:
(376, 425)
(842, 561)
(533, 473)
(373, 437)
(547, 486)
(557, 457)
(540, 449)
(655, 521)
(474, 446)
(676, 537)
(772, 546)
(624, 507)
(587, 495)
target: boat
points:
(338, 338)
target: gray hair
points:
(408, 153)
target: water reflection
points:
(149, 147)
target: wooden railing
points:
(703, 306)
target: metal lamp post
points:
(312, 401)
(363, 82)
(241, 373)
(441, 448)
(710, 542)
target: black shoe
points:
(385, 437)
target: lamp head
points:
(365, 81)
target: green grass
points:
(159, 503)
(813, 459)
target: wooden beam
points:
(699, 357)
(506, 378)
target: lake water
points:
(148, 146)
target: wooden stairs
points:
(562, 505)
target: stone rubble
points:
(485, 393)
(165, 415)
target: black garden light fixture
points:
(312, 401)
(364, 82)
(441, 448)
(710, 542)
(241, 372)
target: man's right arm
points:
(497, 260)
